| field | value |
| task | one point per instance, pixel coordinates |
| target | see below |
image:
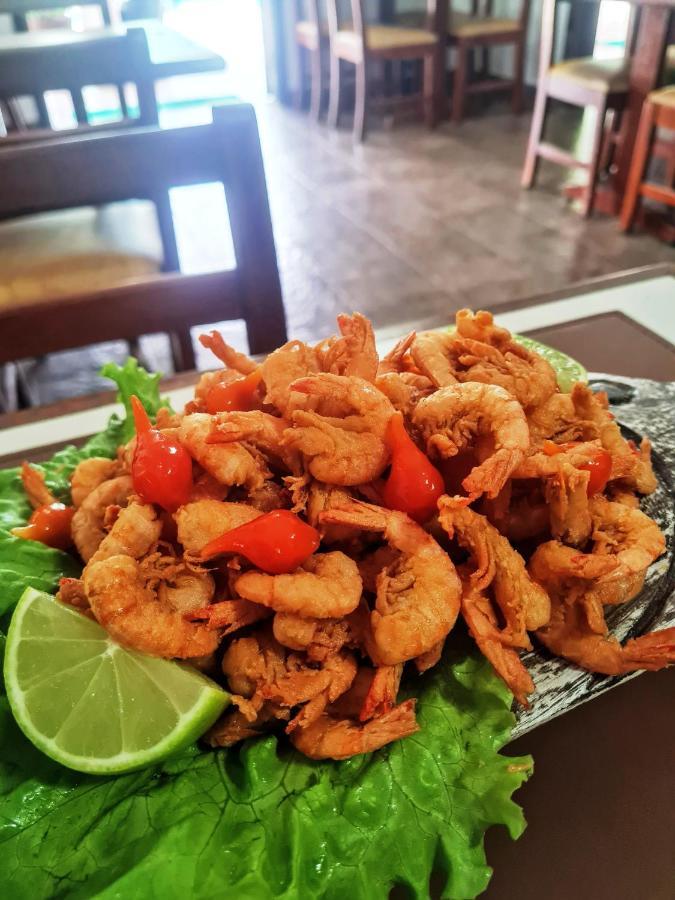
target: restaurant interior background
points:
(412, 224)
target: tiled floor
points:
(411, 226)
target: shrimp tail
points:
(650, 651)
(491, 476)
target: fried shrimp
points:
(343, 440)
(87, 528)
(135, 533)
(261, 430)
(231, 464)
(524, 604)
(284, 366)
(326, 586)
(318, 638)
(230, 358)
(202, 521)
(328, 738)
(89, 474)
(354, 353)
(418, 595)
(479, 416)
(133, 613)
(35, 487)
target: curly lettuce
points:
(259, 821)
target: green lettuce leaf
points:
(133, 379)
(256, 823)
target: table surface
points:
(171, 53)
(601, 802)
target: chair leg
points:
(594, 168)
(517, 95)
(182, 350)
(430, 89)
(316, 85)
(360, 102)
(459, 82)
(536, 132)
(334, 92)
(638, 164)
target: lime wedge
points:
(92, 705)
(567, 369)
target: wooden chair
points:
(311, 37)
(479, 30)
(145, 163)
(599, 83)
(104, 60)
(361, 44)
(658, 111)
(19, 10)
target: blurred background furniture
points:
(311, 36)
(479, 31)
(658, 112)
(587, 82)
(144, 163)
(103, 59)
(361, 45)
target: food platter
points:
(642, 407)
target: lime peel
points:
(162, 705)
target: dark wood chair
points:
(104, 60)
(658, 111)
(599, 83)
(360, 45)
(19, 10)
(479, 31)
(145, 163)
(311, 37)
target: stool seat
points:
(54, 255)
(663, 97)
(463, 25)
(608, 76)
(387, 37)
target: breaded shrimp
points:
(231, 358)
(354, 353)
(464, 416)
(34, 486)
(282, 367)
(524, 604)
(328, 738)
(202, 521)
(89, 474)
(87, 526)
(343, 441)
(417, 595)
(326, 586)
(135, 533)
(134, 613)
(318, 638)
(260, 429)
(231, 464)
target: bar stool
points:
(311, 37)
(599, 83)
(658, 111)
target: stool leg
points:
(360, 102)
(430, 89)
(536, 131)
(459, 82)
(334, 97)
(637, 167)
(517, 95)
(316, 86)
(598, 132)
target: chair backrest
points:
(143, 163)
(72, 64)
(21, 8)
(307, 10)
(485, 9)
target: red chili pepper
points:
(599, 464)
(161, 468)
(233, 396)
(50, 525)
(277, 542)
(414, 485)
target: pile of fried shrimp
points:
(537, 528)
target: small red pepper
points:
(50, 525)
(277, 542)
(599, 464)
(234, 396)
(414, 485)
(161, 468)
